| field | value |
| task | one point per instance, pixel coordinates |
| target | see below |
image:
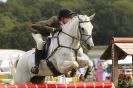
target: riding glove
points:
(57, 29)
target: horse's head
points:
(85, 29)
(80, 28)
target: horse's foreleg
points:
(68, 66)
(84, 60)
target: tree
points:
(113, 18)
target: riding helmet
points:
(65, 13)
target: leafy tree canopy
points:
(113, 18)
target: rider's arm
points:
(45, 26)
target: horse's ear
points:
(92, 16)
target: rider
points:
(44, 28)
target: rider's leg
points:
(38, 52)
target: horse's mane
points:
(81, 17)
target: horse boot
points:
(38, 55)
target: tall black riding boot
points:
(38, 55)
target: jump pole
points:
(72, 85)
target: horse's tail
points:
(13, 69)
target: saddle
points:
(46, 48)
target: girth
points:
(53, 69)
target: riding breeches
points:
(39, 40)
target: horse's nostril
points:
(89, 47)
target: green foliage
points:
(19, 38)
(113, 18)
(125, 5)
(125, 81)
(6, 22)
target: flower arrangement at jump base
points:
(125, 81)
(61, 79)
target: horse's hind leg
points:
(37, 79)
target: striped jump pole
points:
(72, 85)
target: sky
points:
(3, 1)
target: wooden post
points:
(132, 66)
(114, 66)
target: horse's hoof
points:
(81, 77)
(35, 70)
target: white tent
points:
(127, 60)
(7, 53)
(8, 57)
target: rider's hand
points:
(56, 29)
